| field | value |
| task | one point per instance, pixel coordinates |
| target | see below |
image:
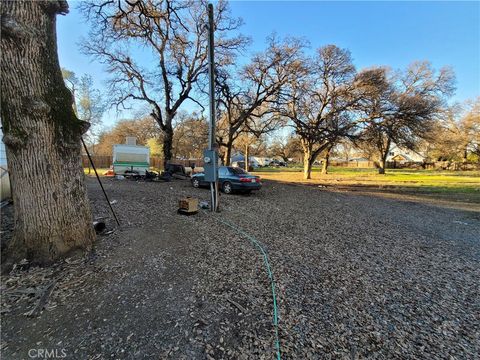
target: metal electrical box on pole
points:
(210, 157)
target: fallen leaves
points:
(356, 277)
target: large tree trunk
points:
(382, 163)
(167, 145)
(326, 160)
(307, 163)
(381, 167)
(228, 152)
(307, 167)
(42, 136)
(465, 154)
(308, 159)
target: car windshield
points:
(237, 170)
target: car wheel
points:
(227, 187)
(196, 183)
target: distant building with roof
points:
(400, 154)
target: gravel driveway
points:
(356, 276)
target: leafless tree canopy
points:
(401, 107)
(456, 137)
(170, 34)
(88, 104)
(319, 103)
(248, 97)
(156, 53)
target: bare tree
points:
(42, 137)
(402, 107)
(90, 107)
(88, 104)
(319, 103)
(247, 99)
(191, 136)
(143, 129)
(457, 134)
(286, 147)
(71, 80)
(250, 144)
(344, 149)
(174, 36)
(326, 158)
(469, 129)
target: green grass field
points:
(459, 186)
(427, 181)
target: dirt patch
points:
(452, 200)
(357, 276)
(455, 190)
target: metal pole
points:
(211, 73)
(100, 182)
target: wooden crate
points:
(188, 204)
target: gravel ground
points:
(356, 276)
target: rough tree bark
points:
(307, 160)
(381, 166)
(465, 154)
(326, 160)
(307, 167)
(42, 137)
(383, 150)
(167, 145)
(228, 151)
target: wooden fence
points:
(105, 161)
(100, 161)
(353, 164)
(437, 165)
(156, 162)
(453, 165)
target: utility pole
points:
(211, 139)
(246, 157)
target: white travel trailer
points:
(262, 161)
(130, 158)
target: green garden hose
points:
(270, 275)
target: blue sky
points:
(376, 33)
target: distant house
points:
(262, 161)
(4, 178)
(402, 155)
(239, 157)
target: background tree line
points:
(321, 96)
